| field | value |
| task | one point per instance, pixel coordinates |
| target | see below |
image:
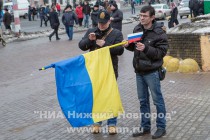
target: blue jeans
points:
(69, 32)
(144, 83)
(86, 21)
(110, 122)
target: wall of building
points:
(193, 46)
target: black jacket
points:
(118, 17)
(54, 21)
(156, 45)
(114, 37)
(94, 17)
(86, 10)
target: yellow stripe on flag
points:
(106, 98)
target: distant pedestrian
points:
(86, 11)
(34, 12)
(54, 23)
(79, 14)
(173, 21)
(191, 8)
(58, 7)
(29, 13)
(133, 7)
(94, 16)
(68, 19)
(42, 15)
(195, 8)
(7, 19)
(116, 17)
(47, 14)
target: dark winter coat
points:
(94, 17)
(54, 21)
(156, 45)
(173, 18)
(114, 37)
(7, 18)
(118, 17)
(86, 10)
(68, 18)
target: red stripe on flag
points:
(133, 40)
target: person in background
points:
(79, 13)
(7, 19)
(1, 16)
(191, 7)
(94, 16)
(34, 12)
(173, 21)
(148, 58)
(86, 11)
(116, 16)
(133, 6)
(29, 13)
(58, 7)
(54, 23)
(47, 14)
(68, 19)
(98, 37)
(42, 15)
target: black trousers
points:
(80, 21)
(54, 32)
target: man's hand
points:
(92, 36)
(125, 45)
(140, 46)
(111, 18)
(100, 42)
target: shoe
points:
(159, 133)
(57, 38)
(112, 130)
(50, 38)
(141, 132)
(96, 129)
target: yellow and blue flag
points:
(87, 89)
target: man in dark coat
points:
(99, 37)
(7, 19)
(116, 16)
(54, 23)
(86, 11)
(147, 60)
(94, 15)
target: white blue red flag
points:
(134, 37)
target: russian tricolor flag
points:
(134, 37)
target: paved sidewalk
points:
(30, 110)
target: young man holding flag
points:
(98, 37)
(148, 58)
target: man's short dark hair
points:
(148, 8)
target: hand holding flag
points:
(134, 37)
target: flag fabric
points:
(134, 37)
(87, 89)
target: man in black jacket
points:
(96, 38)
(148, 58)
(116, 16)
(54, 23)
(94, 16)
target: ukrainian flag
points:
(87, 89)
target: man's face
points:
(103, 26)
(145, 18)
(112, 7)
